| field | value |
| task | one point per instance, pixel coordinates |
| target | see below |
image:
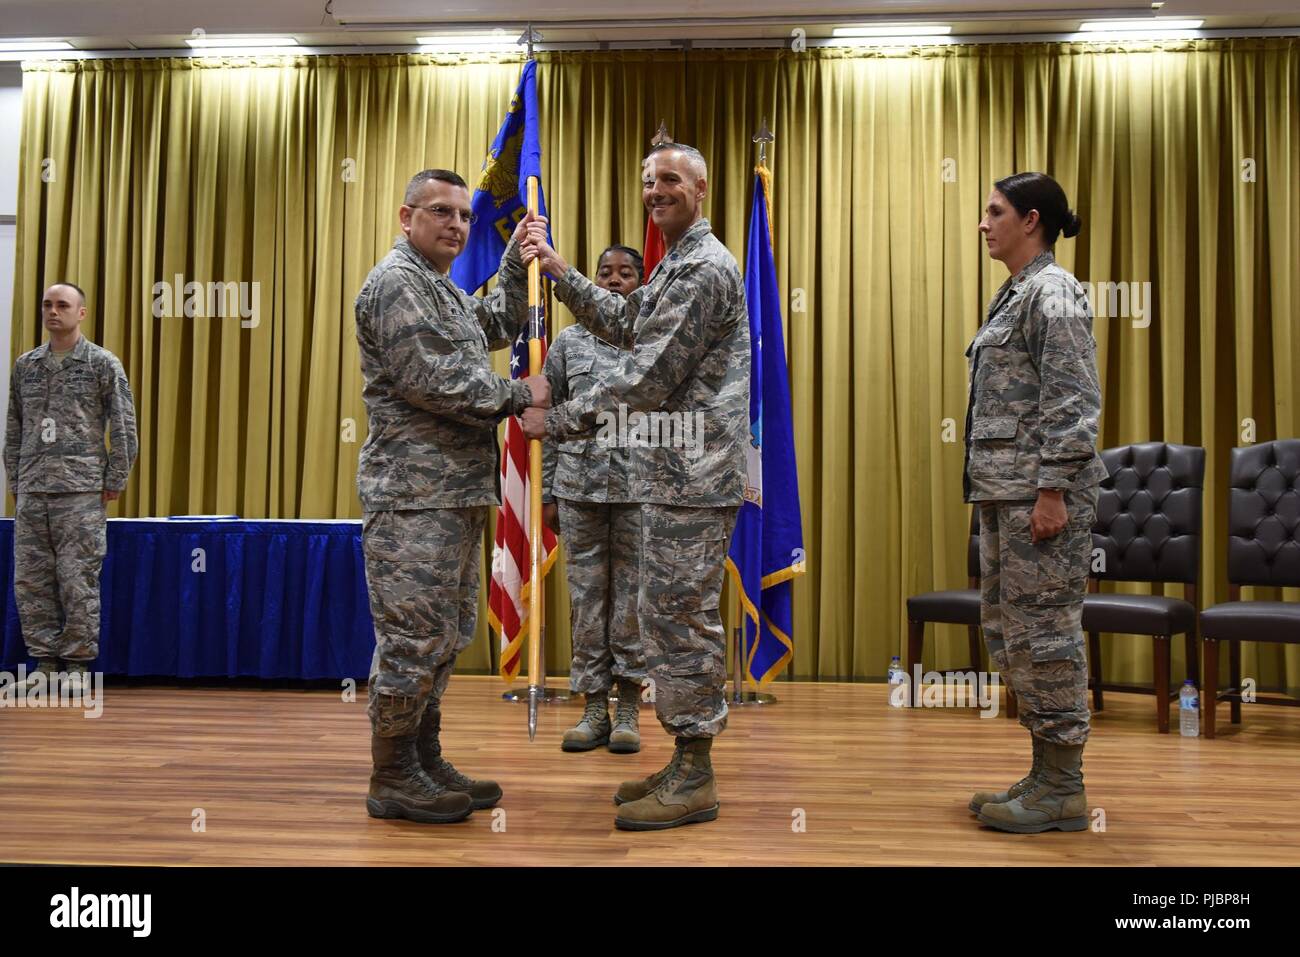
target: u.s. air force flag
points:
(767, 546)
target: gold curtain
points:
(1182, 158)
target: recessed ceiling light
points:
(1137, 24)
(24, 46)
(225, 43)
(498, 41)
(904, 30)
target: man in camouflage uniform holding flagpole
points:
(426, 475)
(688, 332)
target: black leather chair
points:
(1149, 529)
(959, 606)
(1263, 549)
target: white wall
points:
(11, 90)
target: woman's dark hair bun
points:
(1030, 191)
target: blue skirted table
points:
(263, 599)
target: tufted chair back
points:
(1149, 513)
(1264, 514)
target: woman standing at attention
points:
(1033, 469)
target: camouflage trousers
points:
(59, 545)
(682, 554)
(422, 571)
(1031, 611)
(602, 549)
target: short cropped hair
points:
(693, 156)
(416, 185)
(637, 262)
(71, 285)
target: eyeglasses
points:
(445, 213)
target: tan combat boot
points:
(593, 729)
(686, 795)
(399, 788)
(49, 667)
(630, 791)
(1057, 800)
(483, 794)
(1020, 787)
(78, 680)
(626, 736)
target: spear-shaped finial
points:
(528, 38)
(661, 135)
(762, 138)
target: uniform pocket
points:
(404, 536)
(1058, 672)
(470, 347)
(1063, 566)
(1061, 649)
(82, 465)
(34, 386)
(81, 382)
(695, 583)
(579, 365)
(991, 334)
(993, 446)
(994, 427)
(581, 374)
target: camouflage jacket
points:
(582, 469)
(58, 415)
(688, 368)
(1035, 399)
(432, 399)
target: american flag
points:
(654, 248)
(510, 588)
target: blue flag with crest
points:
(767, 546)
(501, 197)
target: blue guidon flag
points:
(501, 197)
(767, 546)
(500, 201)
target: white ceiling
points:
(164, 24)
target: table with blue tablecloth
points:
(199, 598)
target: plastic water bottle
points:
(1189, 711)
(897, 676)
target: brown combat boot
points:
(592, 729)
(483, 794)
(399, 788)
(1020, 787)
(687, 794)
(1057, 800)
(625, 738)
(630, 791)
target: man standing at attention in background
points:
(63, 397)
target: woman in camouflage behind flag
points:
(1033, 469)
(587, 496)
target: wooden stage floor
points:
(280, 777)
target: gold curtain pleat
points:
(1182, 158)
